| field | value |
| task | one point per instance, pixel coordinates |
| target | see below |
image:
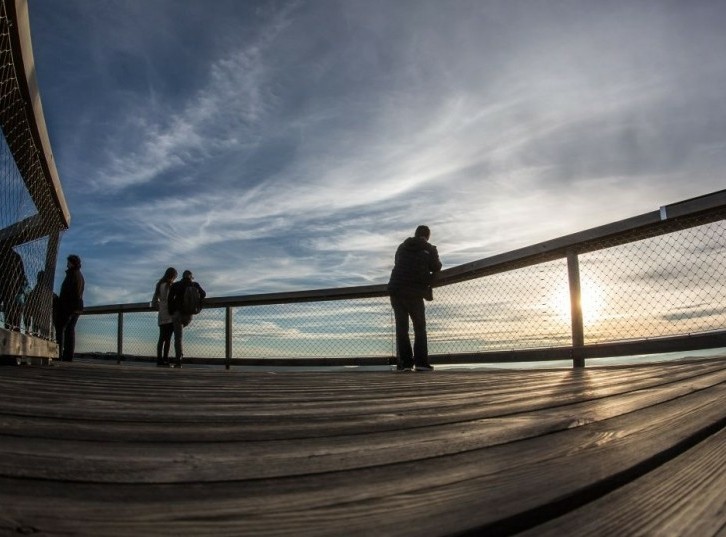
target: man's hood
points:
(415, 244)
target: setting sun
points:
(593, 301)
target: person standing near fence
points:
(185, 300)
(70, 306)
(160, 302)
(416, 263)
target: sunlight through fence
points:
(652, 283)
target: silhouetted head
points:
(187, 275)
(169, 275)
(423, 232)
(74, 261)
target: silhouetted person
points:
(416, 263)
(70, 306)
(160, 302)
(39, 307)
(180, 310)
(13, 284)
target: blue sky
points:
(274, 146)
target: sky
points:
(278, 146)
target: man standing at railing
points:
(70, 305)
(416, 263)
(185, 300)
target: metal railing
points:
(33, 210)
(651, 283)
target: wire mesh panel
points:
(654, 283)
(327, 329)
(344, 328)
(662, 286)
(524, 308)
(96, 334)
(30, 213)
(205, 335)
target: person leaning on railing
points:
(160, 302)
(70, 306)
(416, 262)
(177, 307)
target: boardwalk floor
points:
(128, 450)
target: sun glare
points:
(593, 302)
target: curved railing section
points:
(649, 284)
(33, 210)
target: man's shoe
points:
(424, 367)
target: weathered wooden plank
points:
(432, 497)
(684, 497)
(458, 475)
(302, 388)
(19, 346)
(396, 406)
(209, 457)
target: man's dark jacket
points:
(70, 299)
(416, 263)
(176, 294)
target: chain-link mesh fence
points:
(653, 283)
(334, 329)
(661, 286)
(655, 286)
(526, 307)
(345, 328)
(31, 216)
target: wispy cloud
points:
(279, 146)
(227, 113)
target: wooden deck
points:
(90, 449)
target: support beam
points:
(578, 328)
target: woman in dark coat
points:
(70, 306)
(164, 319)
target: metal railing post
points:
(120, 337)
(578, 330)
(228, 337)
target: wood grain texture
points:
(686, 496)
(129, 450)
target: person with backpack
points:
(160, 302)
(184, 301)
(416, 263)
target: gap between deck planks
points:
(451, 451)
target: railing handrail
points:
(24, 64)
(661, 221)
(313, 295)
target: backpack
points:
(191, 301)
